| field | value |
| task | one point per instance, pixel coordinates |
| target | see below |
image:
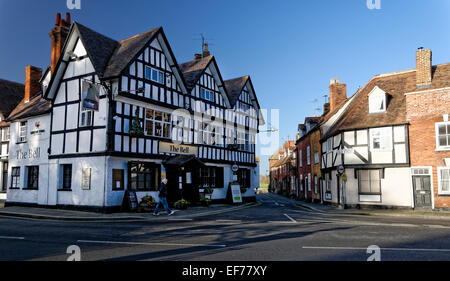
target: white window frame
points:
(86, 113)
(308, 155)
(385, 135)
(374, 103)
(439, 170)
(5, 134)
(207, 94)
(330, 145)
(22, 134)
(160, 75)
(316, 157)
(438, 146)
(162, 122)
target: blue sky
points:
(291, 49)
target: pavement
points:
(420, 214)
(69, 215)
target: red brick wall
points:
(423, 111)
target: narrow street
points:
(277, 230)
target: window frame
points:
(86, 113)
(32, 176)
(121, 179)
(15, 179)
(370, 182)
(439, 171)
(153, 171)
(438, 146)
(6, 134)
(162, 123)
(160, 75)
(376, 98)
(383, 139)
(63, 179)
(22, 134)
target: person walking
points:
(163, 199)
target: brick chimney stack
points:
(32, 82)
(338, 94)
(423, 68)
(206, 52)
(59, 35)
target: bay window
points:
(369, 182)
(158, 124)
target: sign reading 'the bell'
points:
(177, 148)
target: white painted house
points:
(124, 114)
(365, 154)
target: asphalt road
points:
(275, 231)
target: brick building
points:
(282, 170)
(308, 160)
(427, 110)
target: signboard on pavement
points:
(236, 193)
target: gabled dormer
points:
(204, 83)
(378, 100)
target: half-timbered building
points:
(365, 153)
(124, 115)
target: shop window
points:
(144, 176)
(32, 177)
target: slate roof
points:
(11, 93)
(36, 106)
(99, 47)
(126, 50)
(234, 88)
(192, 70)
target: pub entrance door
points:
(182, 178)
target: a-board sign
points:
(236, 193)
(132, 200)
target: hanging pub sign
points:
(91, 96)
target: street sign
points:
(344, 177)
(235, 168)
(341, 169)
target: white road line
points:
(12, 238)
(292, 220)
(180, 219)
(385, 249)
(151, 244)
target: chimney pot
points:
(206, 52)
(68, 21)
(58, 19)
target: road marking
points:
(385, 249)
(231, 221)
(276, 203)
(151, 244)
(180, 219)
(12, 238)
(292, 220)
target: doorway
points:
(422, 192)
